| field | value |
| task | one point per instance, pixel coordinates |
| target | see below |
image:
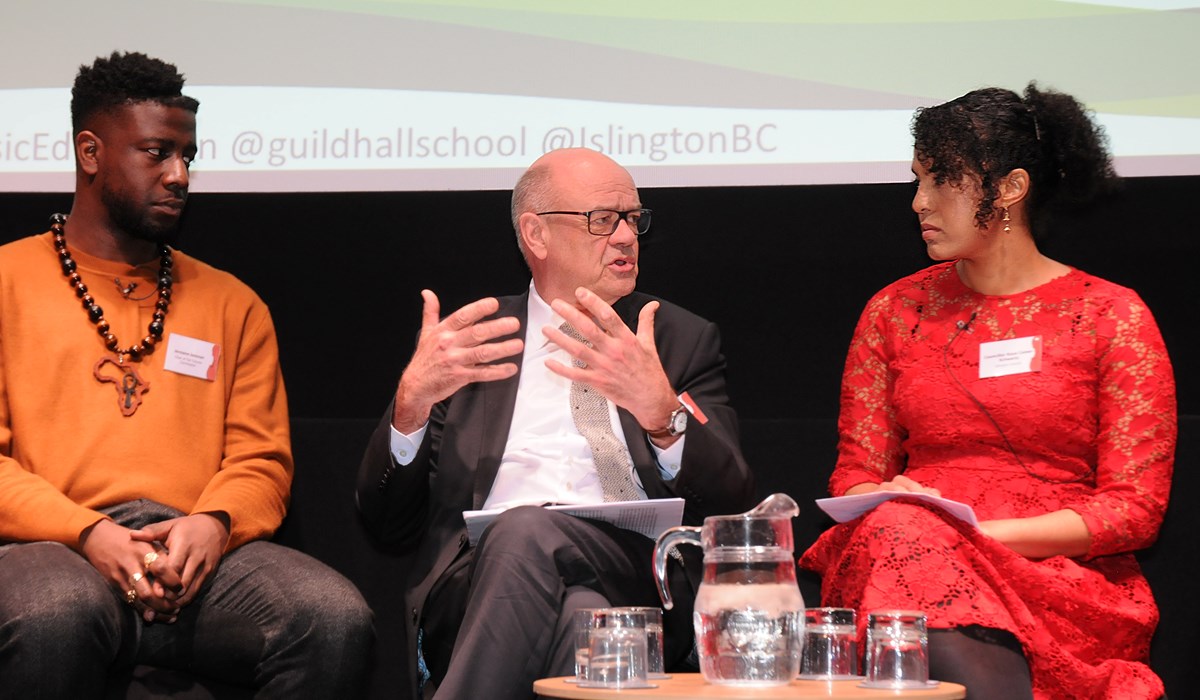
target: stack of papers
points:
(844, 508)
(650, 518)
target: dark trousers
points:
(504, 614)
(271, 618)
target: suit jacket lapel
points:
(497, 402)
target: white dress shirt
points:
(546, 459)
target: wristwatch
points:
(676, 424)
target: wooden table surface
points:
(693, 685)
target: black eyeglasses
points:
(604, 222)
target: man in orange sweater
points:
(144, 446)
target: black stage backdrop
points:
(784, 271)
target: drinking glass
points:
(897, 650)
(585, 620)
(617, 651)
(830, 645)
(655, 667)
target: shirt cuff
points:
(404, 447)
(669, 459)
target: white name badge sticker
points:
(1001, 358)
(191, 356)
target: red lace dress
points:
(1094, 430)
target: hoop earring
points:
(1007, 221)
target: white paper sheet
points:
(844, 508)
(650, 517)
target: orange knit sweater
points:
(197, 445)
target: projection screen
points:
(371, 95)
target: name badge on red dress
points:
(1001, 358)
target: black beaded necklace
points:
(129, 384)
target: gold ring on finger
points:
(131, 596)
(150, 558)
(137, 576)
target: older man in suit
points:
(578, 391)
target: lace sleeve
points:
(1137, 429)
(868, 435)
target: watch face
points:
(679, 422)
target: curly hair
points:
(125, 78)
(987, 133)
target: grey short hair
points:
(533, 192)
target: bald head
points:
(561, 252)
(556, 171)
(579, 161)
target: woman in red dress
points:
(1034, 392)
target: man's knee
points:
(51, 595)
(319, 601)
(338, 632)
(343, 612)
(525, 531)
(521, 520)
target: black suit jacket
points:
(421, 504)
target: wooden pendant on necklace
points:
(129, 384)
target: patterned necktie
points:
(590, 411)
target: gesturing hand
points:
(450, 354)
(195, 544)
(623, 367)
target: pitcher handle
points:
(667, 540)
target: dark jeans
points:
(271, 618)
